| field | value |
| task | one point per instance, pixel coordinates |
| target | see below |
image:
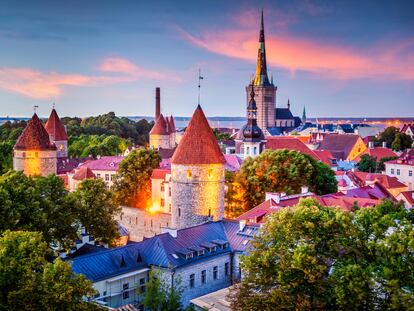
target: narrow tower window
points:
(189, 174)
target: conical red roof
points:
(172, 125)
(34, 137)
(198, 144)
(160, 126)
(55, 127)
(167, 122)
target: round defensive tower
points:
(197, 169)
(33, 153)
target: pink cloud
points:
(384, 61)
(46, 85)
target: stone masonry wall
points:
(197, 194)
(141, 223)
(62, 148)
(33, 162)
(160, 141)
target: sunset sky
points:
(338, 58)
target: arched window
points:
(189, 174)
(254, 150)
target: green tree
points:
(388, 135)
(310, 257)
(132, 185)
(367, 163)
(401, 142)
(95, 208)
(159, 296)
(282, 171)
(29, 282)
(6, 156)
(233, 196)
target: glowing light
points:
(155, 208)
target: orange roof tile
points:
(55, 127)
(290, 143)
(34, 137)
(84, 173)
(160, 126)
(198, 144)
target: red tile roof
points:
(160, 126)
(290, 143)
(340, 145)
(83, 173)
(377, 152)
(55, 127)
(172, 124)
(198, 144)
(326, 157)
(388, 182)
(34, 137)
(408, 195)
(160, 173)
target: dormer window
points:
(189, 256)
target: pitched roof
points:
(160, 126)
(109, 163)
(388, 182)
(408, 195)
(326, 157)
(198, 144)
(160, 173)
(34, 137)
(84, 173)
(172, 124)
(290, 143)
(233, 162)
(340, 145)
(283, 114)
(55, 127)
(377, 152)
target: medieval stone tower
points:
(265, 91)
(57, 134)
(197, 169)
(163, 133)
(34, 154)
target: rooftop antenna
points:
(199, 84)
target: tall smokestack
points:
(157, 103)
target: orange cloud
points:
(328, 60)
(46, 85)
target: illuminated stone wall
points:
(160, 141)
(141, 223)
(197, 194)
(33, 162)
(265, 98)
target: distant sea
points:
(237, 122)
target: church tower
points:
(57, 134)
(265, 91)
(197, 169)
(33, 152)
(250, 136)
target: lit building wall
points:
(197, 194)
(35, 162)
(160, 141)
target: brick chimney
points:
(157, 103)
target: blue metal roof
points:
(163, 250)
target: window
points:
(210, 173)
(112, 177)
(169, 191)
(106, 177)
(162, 188)
(392, 171)
(36, 154)
(215, 273)
(162, 202)
(125, 294)
(226, 269)
(179, 212)
(24, 154)
(104, 295)
(398, 172)
(203, 277)
(142, 285)
(247, 150)
(98, 175)
(169, 208)
(254, 150)
(192, 280)
(410, 173)
(189, 174)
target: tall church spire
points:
(261, 78)
(304, 115)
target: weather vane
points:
(199, 84)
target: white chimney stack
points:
(172, 232)
(304, 189)
(274, 196)
(371, 145)
(242, 224)
(384, 144)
